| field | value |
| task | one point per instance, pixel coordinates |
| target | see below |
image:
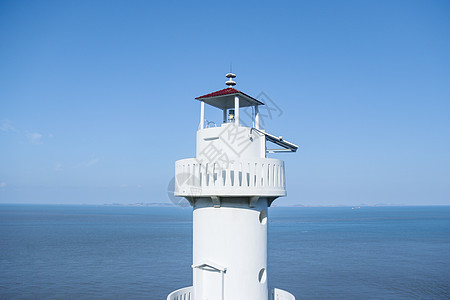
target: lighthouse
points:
(230, 185)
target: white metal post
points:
(256, 117)
(202, 115)
(236, 110)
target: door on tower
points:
(209, 281)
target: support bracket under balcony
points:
(190, 200)
(252, 201)
(216, 201)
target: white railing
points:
(278, 294)
(249, 177)
(181, 294)
(186, 294)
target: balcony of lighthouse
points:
(262, 177)
(187, 294)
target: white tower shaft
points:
(230, 250)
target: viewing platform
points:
(262, 177)
(186, 294)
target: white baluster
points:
(265, 175)
(202, 173)
(245, 171)
(207, 175)
(219, 175)
(197, 174)
(190, 178)
(278, 175)
(252, 174)
(258, 174)
(236, 173)
(270, 166)
(228, 174)
(275, 175)
(213, 179)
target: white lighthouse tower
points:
(230, 185)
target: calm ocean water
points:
(102, 252)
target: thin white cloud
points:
(92, 162)
(58, 167)
(87, 164)
(3, 184)
(5, 125)
(34, 138)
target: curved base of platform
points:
(182, 294)
(186, 294)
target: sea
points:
(129, 252)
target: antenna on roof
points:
(230, 81)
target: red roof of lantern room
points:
(223, 92)
(248, 100)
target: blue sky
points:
(97, 97)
